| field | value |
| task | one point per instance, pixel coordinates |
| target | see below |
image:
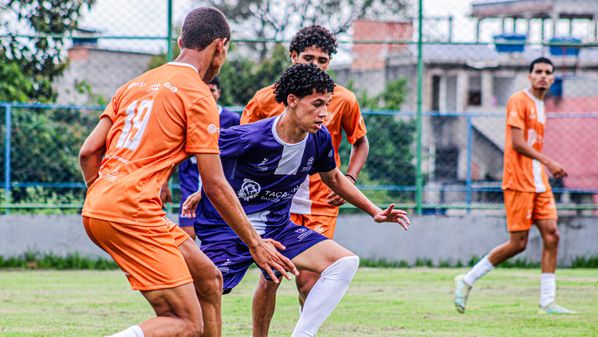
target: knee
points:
(210, 284)
(306, 281)
(193, 329)
(552, 238)
(519, 245)
(266, 286)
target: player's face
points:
(218, 59)
(215, 91)
(541, 77)
(313, 55)
(312, 111)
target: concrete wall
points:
(431, 237)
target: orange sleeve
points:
(516, 113)
(352, 122)
(112, 108)
(251, 113)
(203, 126)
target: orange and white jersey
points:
(158, 119)
(522, 173)
(344, 115)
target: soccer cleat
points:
(555, 309)
(461, 293)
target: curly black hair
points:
(301, 80)
(313, 36)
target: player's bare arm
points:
(225, 201)
(521, 146)
(93, 149)
(342, 186)
(359, 155)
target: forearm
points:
(90, 166)
(359, 155)
(342, 186)
(228, 206)
(527, 150)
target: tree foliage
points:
(390, 161)
(279, 19)
(39, 58)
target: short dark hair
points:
(301, 80)
(215, 81)
(314, 36)
(540, 60)
(202, 26)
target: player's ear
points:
(179, 42)
(292, 101)
(294, 56)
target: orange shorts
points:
(524, 207)
(148, 255)
(322, 224)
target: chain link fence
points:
(432, 80)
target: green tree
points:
(41, 58)
(390, 161)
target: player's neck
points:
(198, 59)
(539, 94)
(287, 129)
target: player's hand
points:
(334, 200)
(267, 256)
(393, 215)
(556, 170)
(165, 194)
(190, 205)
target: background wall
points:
(437, 238)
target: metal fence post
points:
(469, 155)
(169, 57)
(420, 74)
(7, 134)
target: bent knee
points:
(552, 239)
(210, 283)
(193, 328)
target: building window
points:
(436, 93)
(474, 93)
(446, 163)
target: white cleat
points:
(461, 293)
(555, 309)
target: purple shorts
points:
(231, 256)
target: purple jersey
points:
(265, 173)
(188, 172)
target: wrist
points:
(351, 177)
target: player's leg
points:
(545, 216)
(264, 297)
(337, 267)
(178, 311)
(154, 266)
(324, 225)
(207, 281)
(263, 306)
(519, 208)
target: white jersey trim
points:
(292, 154)
(301, 203)
(181, 64)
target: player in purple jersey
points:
(265, 163)
(188, 173)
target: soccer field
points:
(380, 302)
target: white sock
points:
(547, 288)
(325, 295)
(133, 331)
(480, 269)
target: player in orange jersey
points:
(527, 193)
(315, 205)
(154, 122)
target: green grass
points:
(380, 302)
